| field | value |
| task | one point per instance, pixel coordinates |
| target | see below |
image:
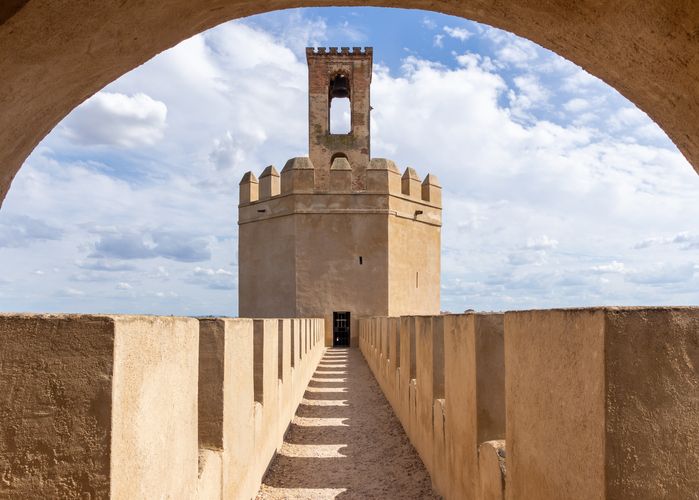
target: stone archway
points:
(55, 54)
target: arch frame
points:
(54, 54)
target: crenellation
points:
(298, 176)
(249, 189)
(410, 183)
(339, 51)
(269, 183)
(340, 175)
(383, 176)
(432, 190)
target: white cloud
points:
(428, 23)
(614, 267)
(542, 242)
(663, 274)
(576, 105)
(580, 81)
(201, 271)
(217, 279)
(459, 33)
(21, 231)
(683, 239)
(114, 119)
(517, 51)
(527, 258)
(122, 285)
(438, 41)
(529, 94)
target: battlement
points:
(343, 51)
(298, 176)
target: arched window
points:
(340, 105)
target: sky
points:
(558, 192)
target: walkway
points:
(345, 442)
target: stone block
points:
(474, 375)
(298, 176)
(602, 403)
(210, 481)
(269, 183)
(340, 175)
(491, 467)
(440, 470)
(249, 189)
(424, 356)
(98, 406)
(393, 361)
(382, 176)
(407, 370)
(432, 190)
(410, 184)
(226, 400)
(287, 401)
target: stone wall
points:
(576, 404)
(147, 407)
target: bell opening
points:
(339, 87)
(340, 116)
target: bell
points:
(339, 87)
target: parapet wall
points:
(345, 51)
(298, 177)
(575, 404)
(128, 407)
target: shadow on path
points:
(345, 442)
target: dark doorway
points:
(341, 329)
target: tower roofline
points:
(344, 51)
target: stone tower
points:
(338, 234)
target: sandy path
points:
(345, 442)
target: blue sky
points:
(557, 190)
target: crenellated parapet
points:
(603, 401)
(269, 183)
(299, 177)
(249, 189)
(432, 190)
(340, 175)
(148, 406)
(382, 176)
(410, 183)
(334, 51)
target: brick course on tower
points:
(339, 232)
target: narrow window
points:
(417, 279)
(340, 117)
(361, 260)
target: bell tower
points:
(338, 234)
(335, 74)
